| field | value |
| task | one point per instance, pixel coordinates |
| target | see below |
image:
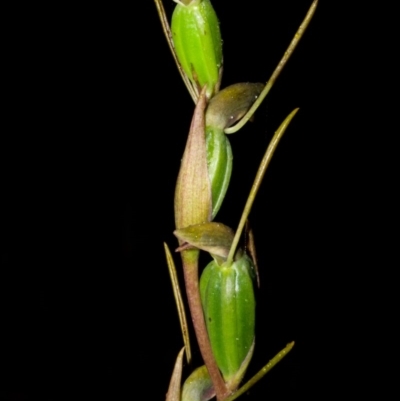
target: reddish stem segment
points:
(190, 268)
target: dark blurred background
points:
(100, 118)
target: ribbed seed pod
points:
(227, 295)
(225, 108)
(219, 161)
(198, 44)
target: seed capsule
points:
(229, 310)
(198, 44)
(224, 109)
(219, 162)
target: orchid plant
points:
(220, 295)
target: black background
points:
(100, 118)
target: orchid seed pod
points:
(228, 301)
(224, 109)
(219, 162)
(198, 44)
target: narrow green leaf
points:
(277, 358)
(179, 303)
(257, 181)
(277, 71)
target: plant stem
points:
(190, 269)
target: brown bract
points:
(193, 189)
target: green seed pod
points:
(198, 44)
(219, 162)
(227, 295)
(225, 108)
